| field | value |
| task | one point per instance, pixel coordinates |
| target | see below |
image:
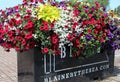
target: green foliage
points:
(117, 11)
(104, 3)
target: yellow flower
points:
(48, 12)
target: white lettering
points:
(63, 52)
(46, 80)
(71, 74)
(55, 79)
(62, 76)
(79, 72)
(75, 73)
(71, 51)
(67, 75)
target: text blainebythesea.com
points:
(76, 73)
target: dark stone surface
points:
(32, 66)
(25, 62)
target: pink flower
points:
(45, 50)
(90, 15)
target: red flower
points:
(92, 21)
(6, 28)
(28, 36)
(56, 52)
(10, 33)
(52, 25)
(24, 1)
(26, 17)
(90, 15)
(16, 7)
(70, 37)
(11, 38)
(46, 28)
(95, 31)
(45, 50)
(74, 25)
(11, 23)
(27, 46)
(19, 38)
(55, 41)
(18, 22)
(77, 43)
(23, 42)
(40, 1)
(81, 35)
(32, 1)
(102, 40)
(54, 38)
(29, 12)
(9, 46)
(29, 25)
(97, 4)
(17, 15)
(74, 54)
(66, 26)
(17, 48)
(41, 28)
(89, 31)
(76, 13)
(104, 35)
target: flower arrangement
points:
(52, 25)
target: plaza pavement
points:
(8, 68)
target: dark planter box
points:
(35, 67)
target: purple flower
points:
(110, 35)
(88, 36)
(104, 9)
(53, 3)
(92, 8)
(8, 13)
(113, 27)
(62, 4)
(117, 32)
(115, 45)
(106, 14)
(86, 7)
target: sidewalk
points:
(8, 68)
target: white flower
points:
(64, 20)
